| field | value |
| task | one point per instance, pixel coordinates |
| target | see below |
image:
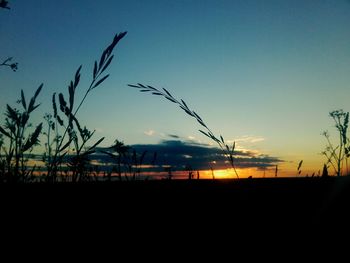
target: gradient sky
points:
(263, 73)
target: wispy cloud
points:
(149, 132)
(174, 136)
(248, 139)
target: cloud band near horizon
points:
(180, 155)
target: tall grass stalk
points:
(76, 134)
(227, 150)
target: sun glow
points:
(228, 173)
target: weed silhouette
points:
(337, 156)
(19, 141)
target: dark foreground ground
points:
(255, 200)
(227, 215)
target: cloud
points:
(174, 136)
(248, 139)
(180, 154)
(149, 132)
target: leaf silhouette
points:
(63, 103)
(12, 114)
(95, 70)
(186, 110)
(171, 99)
(33, 139)
(206, 134)
(5, 133)
(102, 59)
(300, 163)
(197, 116)
(38, 91)
(77, 76)
(100, 81)
(97, 143)
(23, 100)
(65, 146)
(107, 63)
(167, 92)
(222, 139)
(184, 103)
(54, 105)
(134, 86)
(150, 87)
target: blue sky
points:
(263, 73)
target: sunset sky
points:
(265, 74)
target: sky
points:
(265, 74)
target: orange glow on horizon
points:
(309, 168)
(228, 173)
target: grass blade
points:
(5, 133)
(95, 70)
(23, 100)
(107, 63)
(38, 91)
(100, 81)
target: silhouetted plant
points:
(19, 142)
(76, 134)
(276, 171)
(190, 171)
(137, 162)
(131, 161)
(227, 150)
(121, 149)
(299, 167)
(212, 173)
(325, 171)
(7, 63)
(337, 155)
